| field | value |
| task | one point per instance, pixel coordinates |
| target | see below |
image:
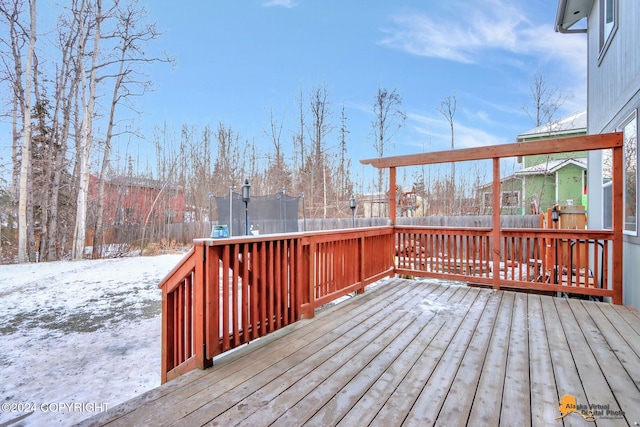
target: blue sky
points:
(235, 61)
(238, 60)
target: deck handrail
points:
(227, 292)
(534, 259)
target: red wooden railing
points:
(570, 261)
(227, 292)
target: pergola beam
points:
(546, 146)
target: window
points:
(630, 163)
(608, 10)
(607, 196)
(509, 199)
(488, 200)
(629, 128)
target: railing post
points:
(199, 301)
(167, 337)
(361, 256)
(312, 278)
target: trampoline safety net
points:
(277, 213)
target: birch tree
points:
(66, 87)
(25, 153)
(88, 97)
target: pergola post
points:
(617, 221)
(392, 195)
(495, 216)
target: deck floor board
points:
(416, 352)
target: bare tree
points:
(66, 85)
(131, 36)
(88, 97)
(319, 129)
(299, 148)
(278, 174)
(345, 186)
(448, 109)
(229, 167)
(389, 119)
(545, 101)
(25, 154)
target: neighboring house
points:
(613, 89)
(510, 199)
(130, 200)
(554, 179)
(375, 205)
(554, 182)
(544, 180)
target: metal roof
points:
(552, 166)
(570, 125)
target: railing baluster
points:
(254, 316)
(224, 302)
(235, 316)
(245, 292)
(264, 246)
(277, 284)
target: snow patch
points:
(83, 332)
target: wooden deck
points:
(417, 352)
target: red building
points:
(128, 201)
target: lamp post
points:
(210, 209)
(555, 217)
(246, 192)
(352, 205)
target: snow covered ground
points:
(79, 337)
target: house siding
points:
(613, 94)
(608, 97)
(542, 186)
(570, 186)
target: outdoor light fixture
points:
(555, 214)
(352, 205)
(246, 196)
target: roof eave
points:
(569, 13)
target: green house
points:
(547, 180)
(544, 180)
